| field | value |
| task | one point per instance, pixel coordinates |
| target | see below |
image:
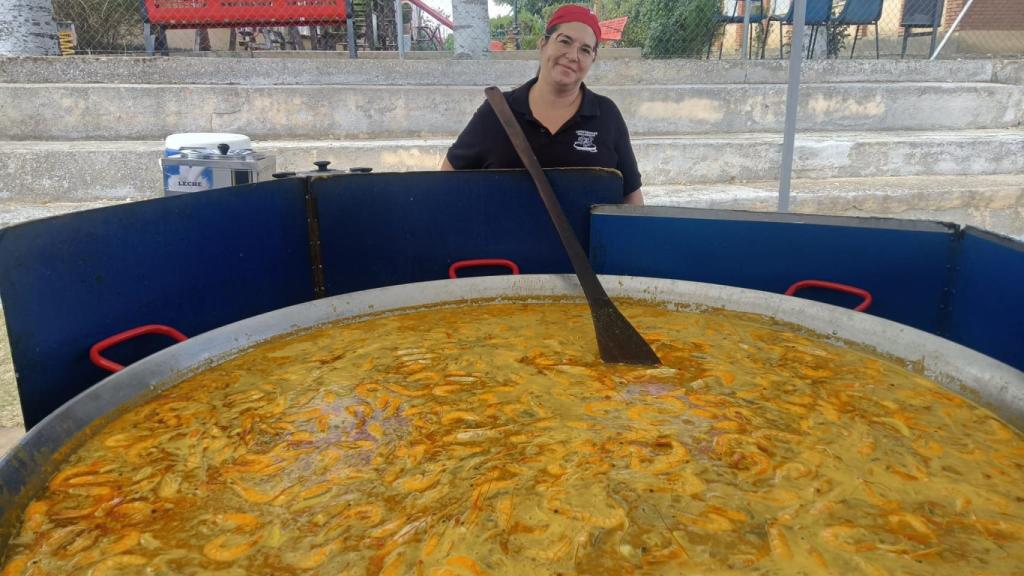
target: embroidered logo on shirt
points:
(585, 141)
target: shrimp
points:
(677, 457)
(252, 495)
(928, 448)
(877, 500)
(126, 542)
(315, 490)
(133, 511)
(466, 563)
(776, 496)
(897, 425)
(557, 549)
(239, 519)
(458, 416)
(793, 471)
(755, 463)
(419, 482)
(375, 430)
(394, 567)
(600, 407)
(686, 483)
(368, 514)
(365, 391)
(848, 538)
(609, 516)
(168, 486)
(116, 564)
(1001, 530)
(709, 522)
(399, 389)
(81, 543)
(16, 566)
(778, 543)
(312, 558)
(90, 479)
(728, 426)
(217, 550)
(60, 478)
(35, 515)
(424, 376)
(65, 513)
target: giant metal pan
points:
(29, 464)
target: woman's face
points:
(566, 57)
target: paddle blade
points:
(618, 341)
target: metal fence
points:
(655, 28)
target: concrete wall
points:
(141, 112)
(325, 68)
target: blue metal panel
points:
(194, 262)
(384, 229)
(988, 303)
(902, 263)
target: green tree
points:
(531, 28)
(837, 36)
(677, 28)
(537, 7)
(103, 25)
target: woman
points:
(567, 124)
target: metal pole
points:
(149, 39)
(399, 29)
(796, 54)
(745, 51)
(515, 22)
(936, 17)
(350, 28)
(951, 29)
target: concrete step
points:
(307, 68)
(92, 171)
(151, 112)
(753, 157)
(992, 202)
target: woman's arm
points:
(446, 166)
(634, 197)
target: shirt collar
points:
(519, 100)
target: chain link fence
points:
(652, 28)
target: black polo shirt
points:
(595, 137)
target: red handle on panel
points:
(834, 286)
(455, 267)
(97, 359)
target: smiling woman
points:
(567, 124)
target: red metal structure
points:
(611, 30)
(228, 13)
(433, 13)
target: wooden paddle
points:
(617, 339)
